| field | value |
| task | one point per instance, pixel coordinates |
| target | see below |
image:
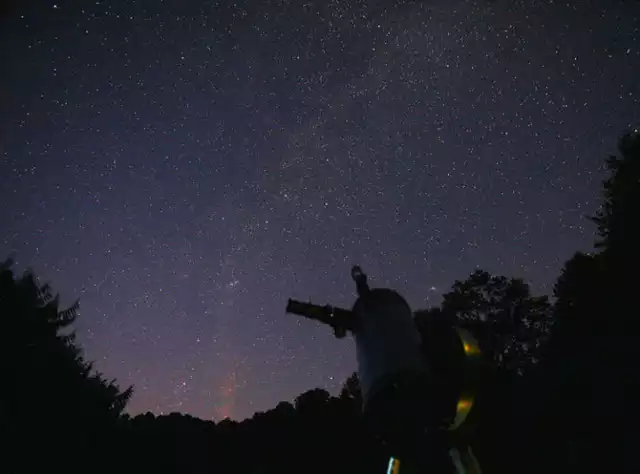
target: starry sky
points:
(185, 167)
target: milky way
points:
(185, 167)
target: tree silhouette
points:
(618, 224)
(617, 219)
(48, 389)
(511, 325)
(590, 365)
(312, 401)
(351, 391)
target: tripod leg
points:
(465, 462)
(394, 466)
(456, 462)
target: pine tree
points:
(592, 357)
(51, 399)
(617, 219)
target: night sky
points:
(184, 167)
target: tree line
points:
(558, 396)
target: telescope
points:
(417, 390)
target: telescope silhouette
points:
(417, 391)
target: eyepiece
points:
(361, 280)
